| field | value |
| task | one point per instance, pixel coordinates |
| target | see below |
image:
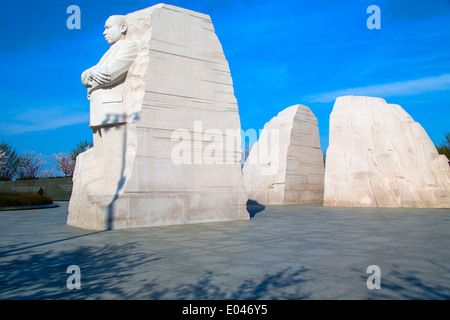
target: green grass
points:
(23, 199)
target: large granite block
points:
(286, 165)
(379, 156)
(179, 82)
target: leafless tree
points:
(64, 163)
(2, 161)
(30, 168)
(10, 162)
(30, 165)
(81, 147)
(444, 147)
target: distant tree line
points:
(444, 147)
(30, 165)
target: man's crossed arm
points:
(114, 70)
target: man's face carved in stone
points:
(114, 29)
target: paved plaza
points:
(283, 252)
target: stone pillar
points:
(286, 165)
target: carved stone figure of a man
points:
(108, 110)
(105, 80)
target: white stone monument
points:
(160, 97)
(286, 165)
(378, 156)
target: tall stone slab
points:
(179, 101)
(378, 156)
(286, 165)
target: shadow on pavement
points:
(42, 275)
(285, 285)
(254, 207)
(120, 272)
(408, 285)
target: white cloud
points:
(393, 89)
(44, 118)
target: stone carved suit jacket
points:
(107, 100)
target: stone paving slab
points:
(283, 252)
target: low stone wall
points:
(59, 189)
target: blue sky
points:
(280, 53)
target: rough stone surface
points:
(378, 156)
(286, 165)
(179, 82)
